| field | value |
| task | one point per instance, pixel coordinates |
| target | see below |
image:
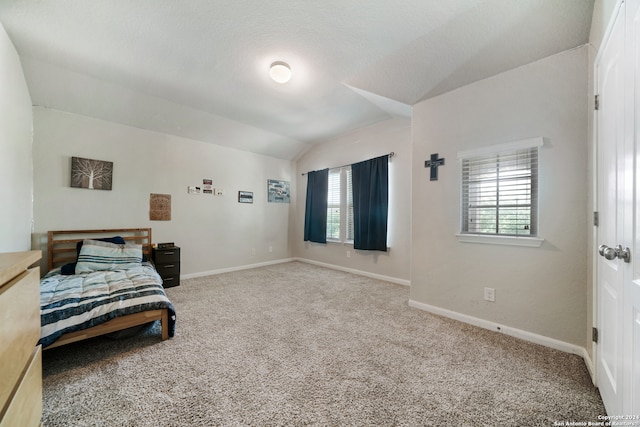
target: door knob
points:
(607, 252)
(623, 254)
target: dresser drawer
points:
(164, 256)
(25, 409)
(19, 328)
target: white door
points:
(618, 279)
(610, 187)
(631, 325)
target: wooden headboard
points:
(61, 244)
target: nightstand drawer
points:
(164, 256)
(166, 270)
(170, 281)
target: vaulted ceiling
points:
(199, 68)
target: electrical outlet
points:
(270, 248)
(490, 294)
(253, 251)
(348, 254)
(218, 191)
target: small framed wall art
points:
(278, 191)
(207, 186)
(245, 197)
(160, 207)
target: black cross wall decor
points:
(433, 164)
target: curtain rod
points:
(391, 154)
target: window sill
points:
(338, 242)
(532, 242)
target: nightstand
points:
(167, 262)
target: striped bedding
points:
(80, 301)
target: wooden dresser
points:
(20, 358)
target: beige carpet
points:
(295, 344)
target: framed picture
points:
(160, 207)
(207, 186)
(278, 191)
(91, 174)
(245, 197)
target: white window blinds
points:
(340, 205)
(349, 204)
(333, 205)
(500, 192)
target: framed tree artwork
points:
(91, 174)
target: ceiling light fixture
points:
(280, 72)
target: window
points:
(340, 205)
(500, 190)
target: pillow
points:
(99, 256)
(68, 269)
(115, 239)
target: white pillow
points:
(100, 256)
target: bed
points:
(100, 282)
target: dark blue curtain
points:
(370, 180)
(315, 214)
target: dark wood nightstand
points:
(167, 262)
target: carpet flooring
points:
(296, 344)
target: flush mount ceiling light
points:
(280, 72)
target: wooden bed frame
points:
(61, 249)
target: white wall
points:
(538, 290)
(16, 171)
(214, 232)
(365, 143)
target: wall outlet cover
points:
(490, 294)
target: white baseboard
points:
(514, 332)
(403, 282)
(590, 367)
(231, 269)
(308, 261)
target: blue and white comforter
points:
(80, 301)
